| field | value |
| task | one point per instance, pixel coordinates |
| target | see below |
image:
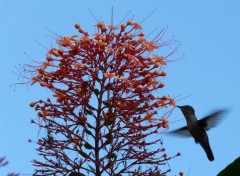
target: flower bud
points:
(77, 26)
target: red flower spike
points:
(101, 117)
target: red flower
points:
(103, 116)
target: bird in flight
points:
(197, 128)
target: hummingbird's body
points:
(199, 134)
(196, 128)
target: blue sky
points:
(209, 73)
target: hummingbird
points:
(197, 128)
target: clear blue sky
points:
(209, 32)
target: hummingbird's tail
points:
(208, 151)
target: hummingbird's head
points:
(187, 110)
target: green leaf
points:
(89, 132)
(107, 142)
(98, 80)
(112, 155)
(88, 146)
(106, 103)
(83, 154)
(96, 92)
(109, 135)
(92, 169)
(109, 121)
(232, 169)
(110, 164)
(88, 112)
(90, 126)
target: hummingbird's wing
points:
(182, 132)
(212, 120)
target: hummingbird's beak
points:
(179, 107)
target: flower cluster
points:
(103, 117)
